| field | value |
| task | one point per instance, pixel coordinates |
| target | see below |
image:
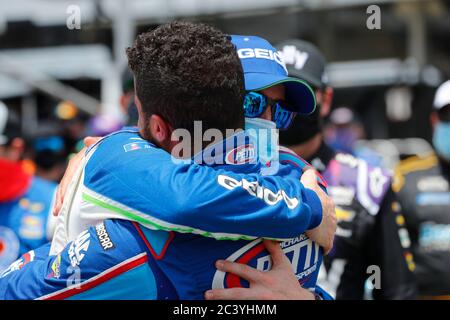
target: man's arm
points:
(323, 234)
(104, 262)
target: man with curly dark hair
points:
(187, 72)
(137, 225)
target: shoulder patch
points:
(411, 164)
(370, 183)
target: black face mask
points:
(302, 129)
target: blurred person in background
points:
(49, 157)
(343, 130)
(25, 200)
(127, 98)
(370, 230)
(48, 151)
(74, 124)
(422, 185)
(101, 125)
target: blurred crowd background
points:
(60, 81)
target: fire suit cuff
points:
(312, 199)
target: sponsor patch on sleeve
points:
(133, 146)
(242, 154)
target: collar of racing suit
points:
(322, 157)
(14, 180)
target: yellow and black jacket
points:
(422, 186)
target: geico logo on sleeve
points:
(103, 237)
(254, 189)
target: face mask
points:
(441, 139)
(343, 140)
(265, 134)
(303, 128)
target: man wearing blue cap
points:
(271, 102)
(370, 222)
(272, 98)
(264, 68)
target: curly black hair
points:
(187, 72)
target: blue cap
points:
(263, 68)
(52, 143)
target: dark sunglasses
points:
(255, 103)
(444, 114)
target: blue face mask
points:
(441, 139)
(344, 140)
(264, 132)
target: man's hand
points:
(324, 233)
(280, 283)
(74, 163)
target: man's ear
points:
(154, 128)
(161, 131)
(327, 101)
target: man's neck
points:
(307, 149)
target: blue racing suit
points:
(120, 259)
